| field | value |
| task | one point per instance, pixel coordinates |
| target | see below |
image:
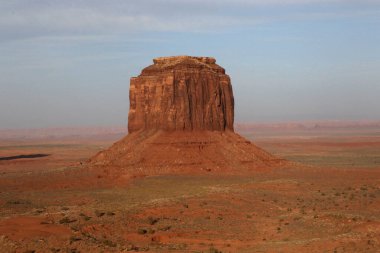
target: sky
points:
(68, 63)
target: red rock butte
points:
(181, 120)
(181, 93)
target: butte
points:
(181, 120)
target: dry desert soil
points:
(328, 201)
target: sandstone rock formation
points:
(181, 120)
(181, 93)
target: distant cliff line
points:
(308, 125)
(117, 131)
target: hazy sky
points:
(68, 63)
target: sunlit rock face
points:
(181, 93)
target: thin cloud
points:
(27, 19)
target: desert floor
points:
(329, 203)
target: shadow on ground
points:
(7, 158)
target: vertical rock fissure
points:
(189, 103)
(181, 93)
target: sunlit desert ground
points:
(328, 201)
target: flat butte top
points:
(182, 63)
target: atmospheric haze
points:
(68, 63)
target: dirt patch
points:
(25, 227)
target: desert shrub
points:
(132, 247)
(152, 220)
(66, 220)
(85, 217)
(142, 231)
(40, 210)
(109, 243)
(214, 250)
(75, 239)
(99, 213)
(89, 236)
(166, 228)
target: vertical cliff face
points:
(179, 94)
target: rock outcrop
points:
(181, 93)
(181, 121)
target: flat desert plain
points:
(328, 201)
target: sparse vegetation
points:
(142, 231)
(99, 213)
(67, 220)
(153, 220)
(74, 239)
(109, 243)
(296, 208)
(214, 250)
(165, 228)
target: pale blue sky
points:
(68, 63)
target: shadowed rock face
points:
(181, 93)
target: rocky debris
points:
(181, 93)
(162, 152)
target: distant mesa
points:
(181, 120)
